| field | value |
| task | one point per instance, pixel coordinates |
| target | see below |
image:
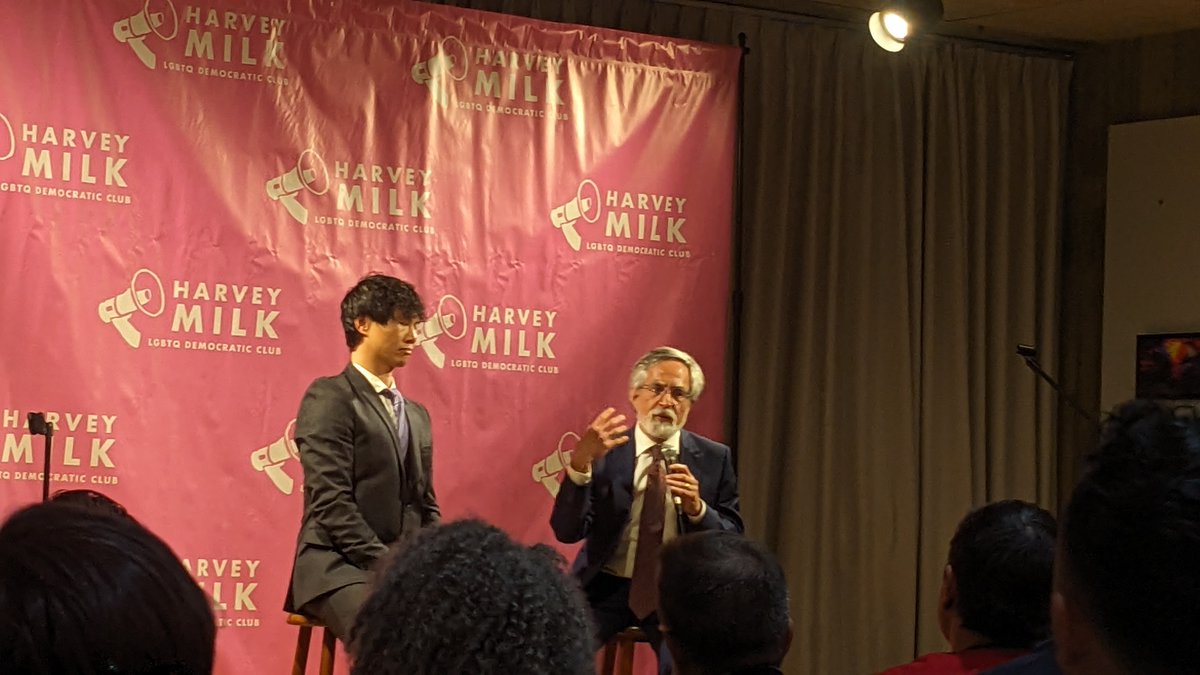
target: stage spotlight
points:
(899, 20)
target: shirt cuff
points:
(580, 478)
(699, 516)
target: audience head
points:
(83, 591)
(465, 598)
(90, 499)
(722, 604)
(997, 582)
(1127, 585)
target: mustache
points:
(666, 411)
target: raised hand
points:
(605, 432)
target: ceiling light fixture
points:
(898, 21)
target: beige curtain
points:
(901, 236)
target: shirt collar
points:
(373, 379)
(643, 443)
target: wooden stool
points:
(618, 651)
(328, 645)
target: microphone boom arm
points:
(1029, 355)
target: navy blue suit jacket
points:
(599, 511)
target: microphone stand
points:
(1029, 354)
(38, 426)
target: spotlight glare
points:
(882, 35)
(899, 21)
(895, 25)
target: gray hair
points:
(638, 377)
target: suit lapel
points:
(689, 452)
(364, 391)
(621, 469)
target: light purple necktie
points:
(401, 420)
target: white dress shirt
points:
(621, 562)
(380, 386)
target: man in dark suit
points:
(366, 452)
(620, 497)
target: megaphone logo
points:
(145, 291)
(585, 205)
(448, 322)
(133, 31)
(10, 149)
(546, 470)
(270, 459)
(310, 174)
(450, 62)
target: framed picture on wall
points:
(1168, 366)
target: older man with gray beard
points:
(625, 494)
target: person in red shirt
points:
(994, 604)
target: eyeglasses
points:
(658, 389)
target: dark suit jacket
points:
(1040, 662)
(599, 511)
(359, 496)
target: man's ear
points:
(948, 595)
(362, 324)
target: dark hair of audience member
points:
(83, 591)
(724, 602)
(465, 598)
(89, 499)
(1002, 556)
(1131, 539)
(380, 298)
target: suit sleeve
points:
(325, 436)
(431, 513)
(724, 514)
(571, 517)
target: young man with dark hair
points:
(1127, 584)
(366, 451)
(723, 605)
(994, 604)
(465, 598)
(89, 592)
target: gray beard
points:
(659, 430)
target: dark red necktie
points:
(643, 587)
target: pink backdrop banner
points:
(187, 191)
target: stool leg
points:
(610, 658)
(625, 654)
(300, 662)
(328, 647)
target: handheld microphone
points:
(671, 455)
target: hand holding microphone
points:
(684, 487)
